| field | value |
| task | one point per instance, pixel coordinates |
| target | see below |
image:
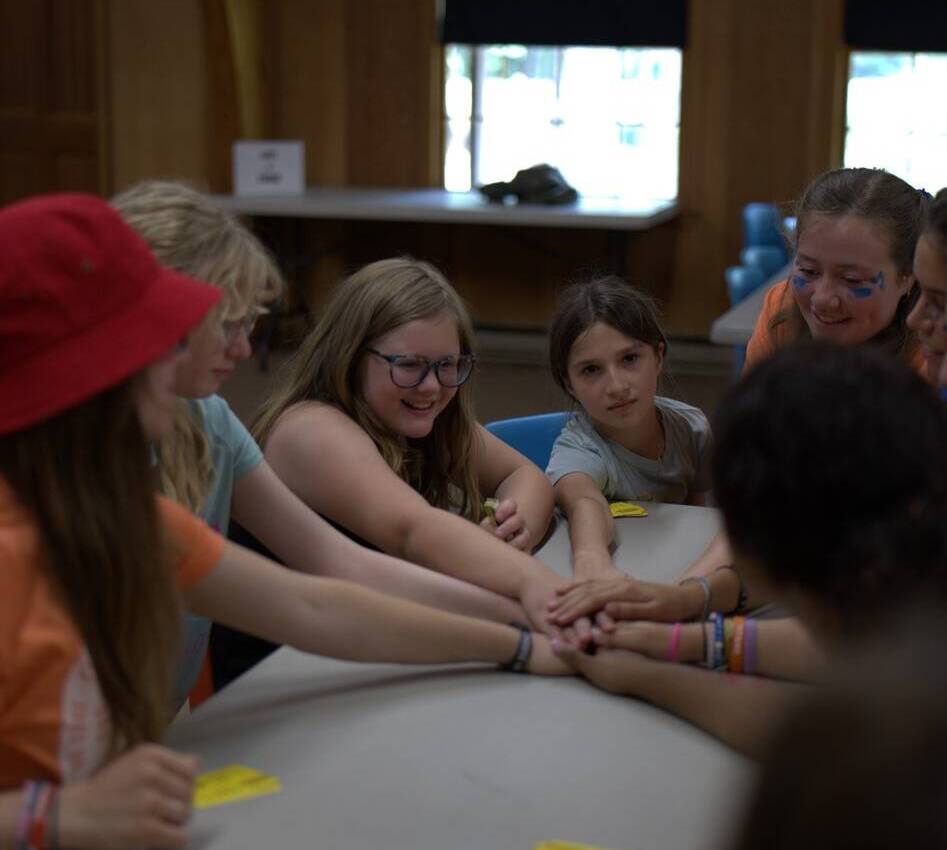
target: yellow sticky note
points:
(626, 509)
(564, 845)
(231, 784)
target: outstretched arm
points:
(335, 468)
(344, 620)
(741, 711)
(267, 508)
(784, 647)
(591, 527)
(716, 555)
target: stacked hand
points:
(624, 598)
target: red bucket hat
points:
(83, 305)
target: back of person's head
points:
(84, 309)
(860, 762)
(831, 472)
(189, 233)
(373, 301)
(611, 301)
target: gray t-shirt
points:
(622, 475)
(234, 453)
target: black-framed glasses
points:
(409, 370)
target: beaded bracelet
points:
(709, 644)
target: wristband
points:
(736, 648)
(675, 647)
(38, 827)
(704, 586)
(749, 647)
(718, 645)
(708, 629)
(517, 664)
(25, 819)
(727, 640)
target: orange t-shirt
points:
(54, 723)
(764, 342)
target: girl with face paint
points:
(851, 280)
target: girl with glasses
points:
(211, 464)
(372, 427)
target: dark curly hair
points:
(831, 472)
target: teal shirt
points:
(234, 453)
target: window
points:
(608, 118)
(895, 119)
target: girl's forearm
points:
(419, 584)
(786, 650)
(456, 547)
(740, 711)
(717, 554)
(591, 530)
(531, 491)
(354, 623)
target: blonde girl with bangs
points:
(97, 567)
(372, 426)
(211, 464)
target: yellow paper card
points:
(564, 845)
(626, 509)
(231, 784)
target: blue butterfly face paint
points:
(799, 281)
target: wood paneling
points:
(361, 83)
(761, 116)
(49, 97)
(158, 91)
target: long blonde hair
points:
(190, 234)
(103, 550)
(377, 299)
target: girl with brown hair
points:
(97, 567)
(372, 427)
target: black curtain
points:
(915, 26)
(606, 23)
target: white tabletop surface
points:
(441, 206)
(735, 327)
(384, 757)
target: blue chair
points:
(532, 436)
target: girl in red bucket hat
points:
(96, 566)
